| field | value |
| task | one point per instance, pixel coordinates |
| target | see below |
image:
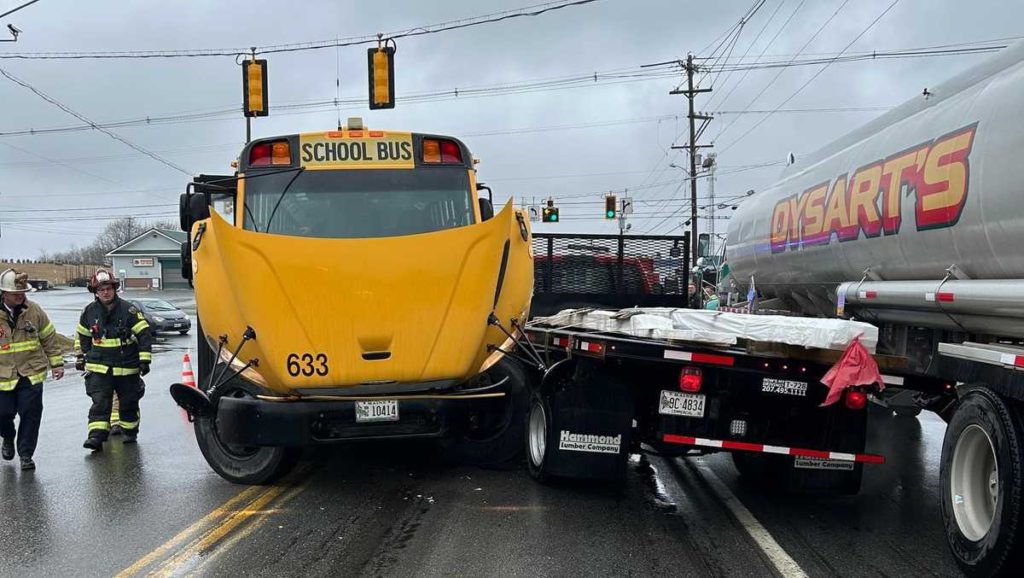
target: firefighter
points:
(29, 346)
(116, 341)
(115, 414)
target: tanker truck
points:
(914, 223)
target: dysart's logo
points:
(936, 172)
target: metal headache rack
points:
(609, 271)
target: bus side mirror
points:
(198, 209)
(186, 261)
(486, 209)
(184, 220)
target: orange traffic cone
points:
(187, 376)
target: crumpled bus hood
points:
(332, 313)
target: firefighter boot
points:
(7, 450)
(94, 443)
(131, 436)
(116, 429)
(27, 464)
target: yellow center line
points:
(243, 533)
(178, 563)
(170, 567)
(223, 509)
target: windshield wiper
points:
(266, 228)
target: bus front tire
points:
(242, 464)
(492, 436)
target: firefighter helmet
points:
(103, 277)
(12, 281)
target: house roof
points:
(174, 237)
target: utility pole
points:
(695, 134)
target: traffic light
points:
(382, 77)
(254, 87)
(610, 208)
(549, 214)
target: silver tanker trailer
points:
(915, 223)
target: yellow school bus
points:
(353, 284)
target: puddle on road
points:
(655, 492)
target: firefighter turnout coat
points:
(115, 340)
(28, 348)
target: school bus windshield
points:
(345, 204)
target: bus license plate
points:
(384, 410)
(684, 404)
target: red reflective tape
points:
(870, 458)
(674, 439)
(743, 446)
(561, 342)
(808, 453)
(870, 294)
(947, 297)
(1019, 360)
(713, 359)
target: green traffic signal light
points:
(609, 207)
(549, 215)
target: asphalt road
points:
(388, 509)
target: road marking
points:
(203, 544)
(786, 565)
(242, 534)
(185, 534)
(201, 536)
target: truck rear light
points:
(856, 399)
(690, 379)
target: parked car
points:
(163, 316)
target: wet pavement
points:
(396, 509)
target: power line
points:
(745, 53)
(82, 118)
(534, 10)
(816, 75)
(802, 48)
(104, 209)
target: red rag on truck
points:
(855, 367)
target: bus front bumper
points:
(256, 422)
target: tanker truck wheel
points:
(241, 464)
(491, 434)
(982, 485)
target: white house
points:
(150, 261)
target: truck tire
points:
(538, 428)
(241, 464)
(493, 438)
(982, 485)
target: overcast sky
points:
(569, 143)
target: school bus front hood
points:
(332, 313)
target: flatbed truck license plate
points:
(684, 404)
(380, 410)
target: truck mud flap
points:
(589, 424)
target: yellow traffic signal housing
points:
(610, 208)
(381, 63)
(254, 88)
(549, 214)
